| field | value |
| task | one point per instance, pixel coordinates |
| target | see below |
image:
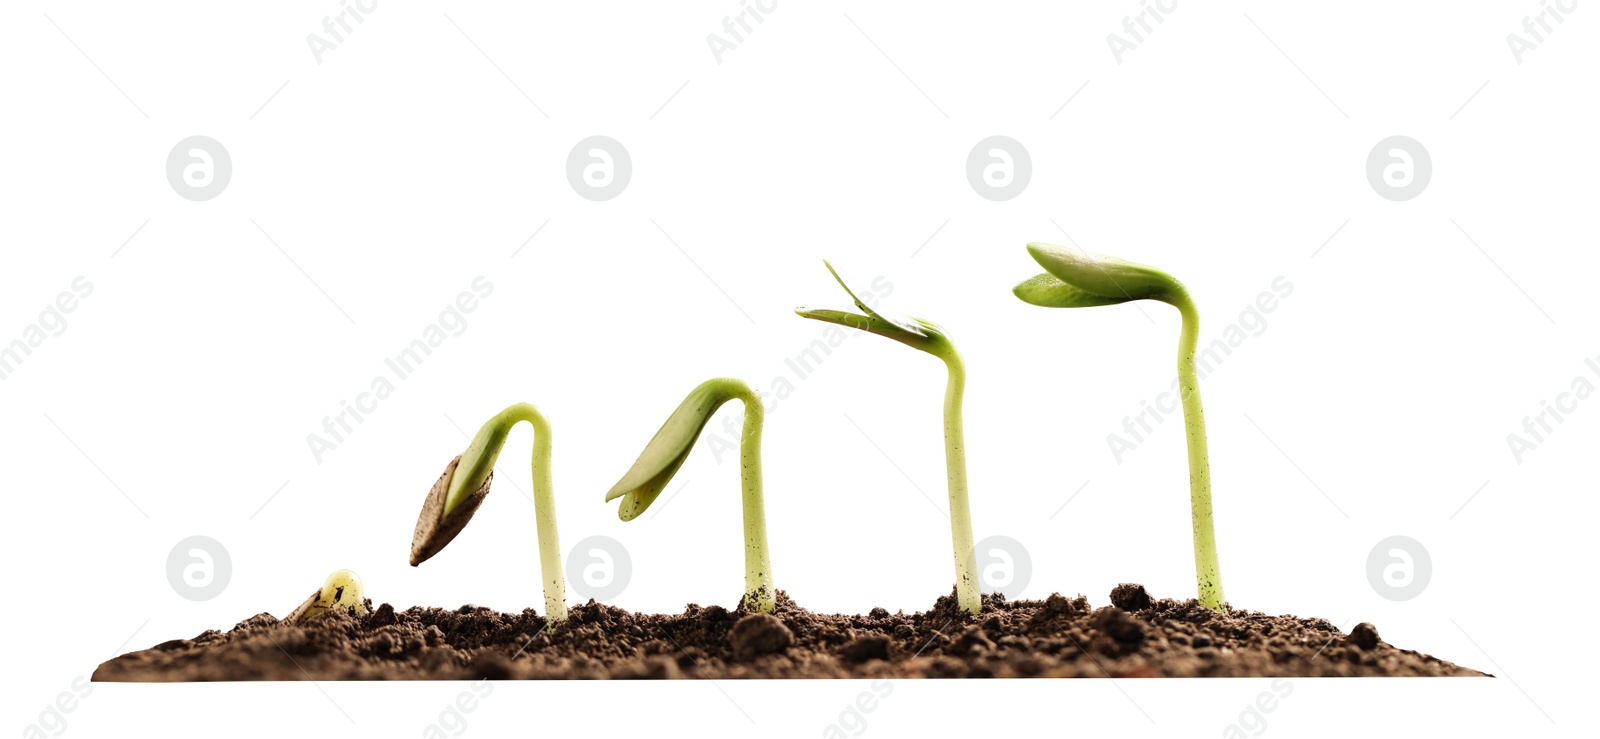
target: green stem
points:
(759, 594)
(475, 467)
(955, 461)
(1208, 573)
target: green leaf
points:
(661, 458)
(477, 462)
(842, 318)
(1107, 277)
(904, 323)
(872, 324)
(1048, 291)
(913, 332)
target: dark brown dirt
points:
(1056, 637)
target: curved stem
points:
(1208, 573)
(759, 593)
(478, 462)
(955, 461)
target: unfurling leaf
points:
(928, 337)
(913, 332)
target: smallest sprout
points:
(342, 591)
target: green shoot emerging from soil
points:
(465, 482)
(666, 452)
(1076, 279)
(341, 591)
(929, 337)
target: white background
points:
(1227, 148)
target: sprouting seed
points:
(929, 337)
(465, 482)
(341, 591)
(1077, 279)
(666, 452)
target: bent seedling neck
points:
(928, 337)
(465, 483)
(1207, 570)
(1075, 278)
(955, 462)
(668, 449)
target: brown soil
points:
(1056, 637)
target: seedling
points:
(929, 337)
(665, 453)
(1076, 279)
(341, 591)
(465, 482)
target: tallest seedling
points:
(929, 337)
(1077, 279)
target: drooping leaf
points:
(1103, 275)
(666, 451)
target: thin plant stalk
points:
(929, 337)
(955, 463)
(1077, 279)
(479, 461)
(466, 482)
(1207, 571)
(668, 449)
(757, 563)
